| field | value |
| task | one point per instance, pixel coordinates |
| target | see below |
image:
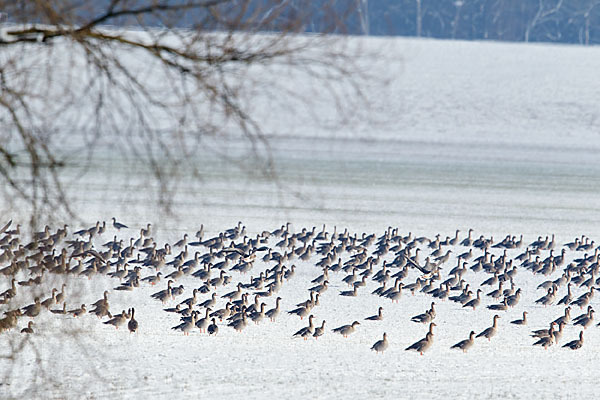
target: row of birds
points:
(52, 253)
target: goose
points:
(522, 321)
(575, 344)
(77, 312)
(118, 320)
(117, 225)
(33, 310)
(585, 314)
(396, 294)
(566, 300)
(377, 317)
(210, 302)
(258, 316)
(50, 301)
(223, 312)
(307, 330)
(564, 318)
(381, 345)
(543, 332)
(346, 330)
(426, 317)
(319, 330)
(587, 320)
(349, 293)
(424, 344)
(213, 329)
(499, 307)
(474, 302)
(165, 294)
(465, 344)
(132, 325)
(187, 325)
(63, 310)
(302, 311)
(60, 297)
(491, 331)
(546, 341)
(202, 323)
(239, 324)
(274, 312)
(29, 328)
(513, 300)
(558, 333)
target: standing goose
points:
(165, 294)
(213, 329)
(202, 323)
(50, 301)
(274, 312)
(61, 296)
(319, 330)
(564, 318)
(258, 316)
(223, 312)
(587, 320)
(118, 320)
(474, 302)
(396, 294)
(33, 310)
(424, 344)
(491, 331)
(381, 345)
(307, 330)
(575, 344)
(132, 325)
(465, 344)
(346, 330)
(187, 325)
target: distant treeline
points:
(561, 21)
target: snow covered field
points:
(502, 138)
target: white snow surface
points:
(503, 138)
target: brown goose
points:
(78, 312)
(118, 320)
(522, 321)
(381, 345)
(424, 344)
(33, 310)
(377, 317)
(29, 328)
(319, 330)
(491, 331)
(307, 330)
(575, 344)
(466, 344)
(346, 330)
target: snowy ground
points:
(502, 138)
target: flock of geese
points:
(394, 263)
